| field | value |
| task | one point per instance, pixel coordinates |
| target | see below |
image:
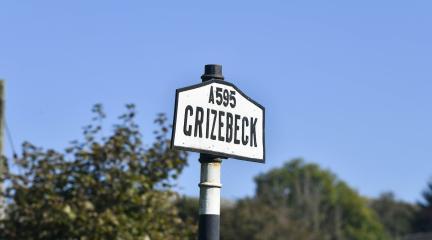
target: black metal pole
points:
(209, 201)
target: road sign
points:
(215, 117)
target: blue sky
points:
(345, 84)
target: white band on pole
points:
(210, 188)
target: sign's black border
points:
(214, 152)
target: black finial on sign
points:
(212, 71)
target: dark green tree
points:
(319, 201)
(188, 213)
(395, 215)
(250, 219)
(423, 218)
(111, 187)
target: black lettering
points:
(187, 129)
(198, 121)
(236, 128)
(229, 127)
(232, 99)
(221, 124)
(207, 123)
(225, 97)
(212, 136)
(253, 141)
(245, 138)
(219, 96)
(211, 97)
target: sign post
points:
(219, 121)
(209, 201)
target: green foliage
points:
(102, 188)
(395, 215)
(324, 205)
(423, 218)
(188, 213)
(253, 220)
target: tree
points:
(423, 217)
(188, 213)
(395, 215)
(250, 219)
(100, 188)
(318, 200)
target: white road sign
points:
(215, 117)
